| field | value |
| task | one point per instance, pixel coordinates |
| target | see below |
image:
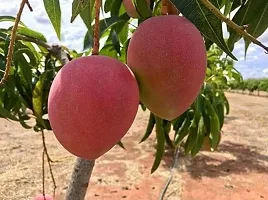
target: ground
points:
(238, 170)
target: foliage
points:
(260, 84)
(35, 65)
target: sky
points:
(255, 65)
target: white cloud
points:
(265, 71)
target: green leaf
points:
(31, 33)
(237, 3)
(53, 10)
(108, 50)
(253, 13)
(115, 9)
(84, 8)
(87, 14)
(29, 54)
(108, 5)
(6, 114)
(123, 33)
(88, 41)
(115, 42)
(150, 127)
(207, 23)
(111, 21)
(142, 8)
(120, 143)
(160, 148)
(10, 19)
(24, 67)
(38, 98)
(77, 7)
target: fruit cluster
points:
(94, 100)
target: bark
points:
(80, 179)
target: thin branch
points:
(49, 161)
(240, 29)
(164, 9)
(36, 41)
(29, 5)
(44, 146)
(43, 173)
(56, 50)
(96, 45)
(12, 42)
(51, 174)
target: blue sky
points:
(255, 65)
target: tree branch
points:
(96, 44)
(230, 23)
(29, 6)
(56, 50)
(80, 178)
(12, 42)
(36, 41)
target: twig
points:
(29, 5)
(49, 161)
(12, 42)
(36, 41)
(96, 44)
(44, 146)
(176, 155)
(240, 29)
(43, 174)
(164, 9)
(56, 50)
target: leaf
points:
(207, 23)
(115, 42)
(116, 7)
(237, 3)
(142, 8)
(150, 127)
(88, 41)
(123, 33)
(86, 14)
(160, 137)
(120, 143)
(31, 33)
(84, 8)
(38, 98)
(77, 7)
(24, 67)
(7, 114)
(53, 10)
(258, 24)
(108, 5)
(10, 19)
(111, 21)
(29, 53)
(254, 13)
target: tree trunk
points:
(80, 179)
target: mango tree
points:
(29, 67)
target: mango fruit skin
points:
(167, 54)
(92, 104)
